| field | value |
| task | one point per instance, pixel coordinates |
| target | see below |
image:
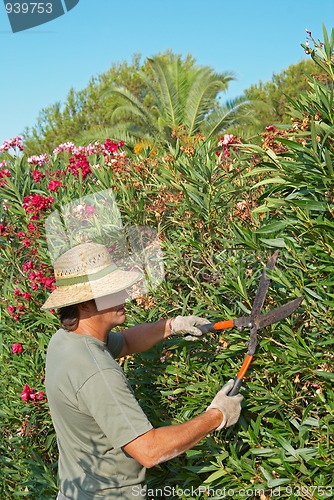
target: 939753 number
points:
(29, 8)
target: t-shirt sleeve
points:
(111, 402)
(115, 342)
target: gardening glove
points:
(186, 325)
(230, 406)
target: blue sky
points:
(251, 38)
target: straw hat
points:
(87, 272)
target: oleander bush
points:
(221, 209)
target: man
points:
(105, 440)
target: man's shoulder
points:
(72, 349)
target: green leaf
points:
(216, 475)
(324, 374)
(275, 242)
(274, 180)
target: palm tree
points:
(175, 95)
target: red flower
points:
(111, 146)
(31, 227)
(17, 348)
(17, 292)
(26, 393)
(37, 175)
(48, 283)
(37, 396)
(11, 309)
(26, 295)
(54, 185)
(26, 242)
(27, 266)
(79, 162)
(34, 203)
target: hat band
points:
(85, 278)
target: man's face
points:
(112, 301)
(112, 308)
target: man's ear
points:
(88, 306)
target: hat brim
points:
(114, 282)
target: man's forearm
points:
(165, 443)
(140, 338)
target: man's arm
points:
(164, 443)
(140, 338)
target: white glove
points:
(230, 406)
(186, 325)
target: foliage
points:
(148, 100)
(288, 84)
(219, 216)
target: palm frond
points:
(202, 98)
(168, 91)
(226, 117)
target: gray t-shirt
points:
(95, 413)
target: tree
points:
(82, 110)
(288, 84)
(176, 95)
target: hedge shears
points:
(255, 321)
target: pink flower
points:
(67, 146)
(111, 146)
(11, 309)
(37, 175)
(26, 295)
(37, 396)
(90, 210)
(31, 227)
(270, 128)
(29, 394)
(49, 283)
(26, 242)
(15, 142)
(17, 348)
(26, 393)
(34, 203)
(54, 185)
(28, 265)
(227, 139)
(17, 292)
(39, 160)
(4, 172)
(79, 162)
